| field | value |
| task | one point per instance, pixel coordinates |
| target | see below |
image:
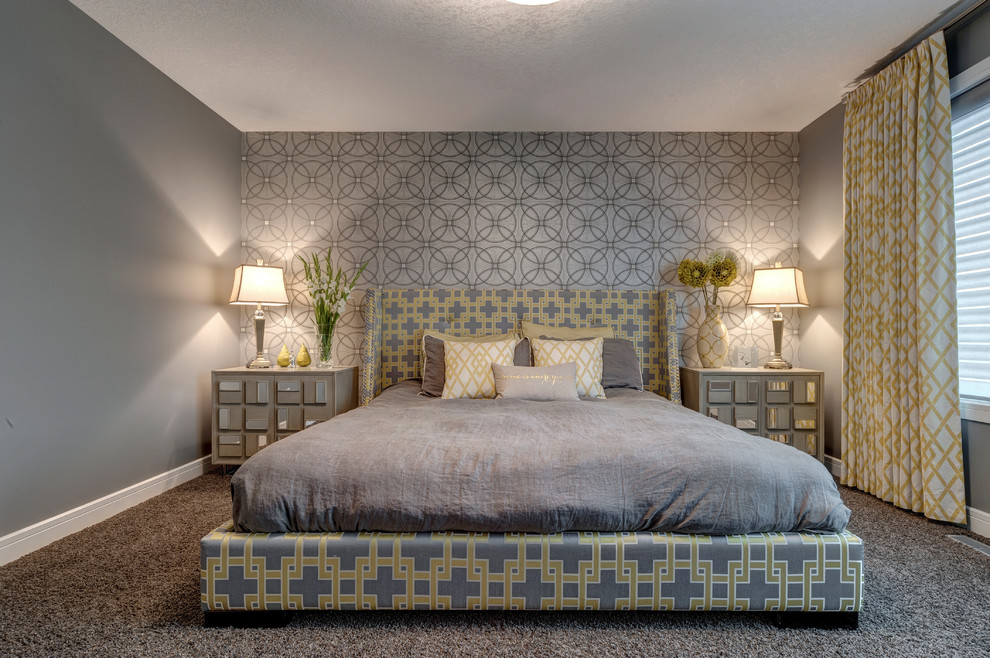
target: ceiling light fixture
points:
(533, 2)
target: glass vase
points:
(324, 348)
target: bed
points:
(814, 576)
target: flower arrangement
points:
(329, 288)
(719, 270)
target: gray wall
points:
(976, 462)
(520, 210)
(821, 259)
(120, 224)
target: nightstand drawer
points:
(255, 442)
(230, 418)
(288, 392)
(230, 445)
(778, 391)
(229, 392)
(288, 418)
(316, 391)
(778, 418)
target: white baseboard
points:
(22, 542)
(833, 465)
(979, 521)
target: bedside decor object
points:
(303, 359)
(719, 270)
(776, 287)
(264, 286)
(329, 288)
(284, 358)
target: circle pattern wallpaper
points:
(519, 210)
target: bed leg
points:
(246, 618)
(792, 619)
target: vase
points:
(713, 338)
(324, 349)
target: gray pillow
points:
(620, 363)
(526, 383)
(435, 372)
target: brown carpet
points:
(130, 586)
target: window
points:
(971, 173)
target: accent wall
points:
(519, 210)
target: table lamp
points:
(264, 286)
(774, 287)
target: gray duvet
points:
(634, 462)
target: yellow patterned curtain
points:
(900, 425)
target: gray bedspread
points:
(634, 462)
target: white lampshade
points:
(778, 286)
(258, 284)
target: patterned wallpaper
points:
(519, 210)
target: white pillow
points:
(526, 383)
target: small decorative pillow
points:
(469, 367)
(620, 363)
(435, 371)
(532, 330)
(550, 383)
(432, 351)
(587, 354)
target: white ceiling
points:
(411, 65)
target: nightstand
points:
(254, 407)
(782, 405)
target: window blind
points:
(971, 173)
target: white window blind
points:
(971, 172)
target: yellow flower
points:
(693, 273)
(723, 269)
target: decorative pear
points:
(284, 357)
(303, 359)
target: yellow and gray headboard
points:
(395, 320)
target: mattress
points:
(633, 462)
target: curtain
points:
(900, 425)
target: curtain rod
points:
(947, 19)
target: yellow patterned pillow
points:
(469, 367)
(587, 354)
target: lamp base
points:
(259, 340)
(777, 363)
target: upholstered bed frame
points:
(787, 572)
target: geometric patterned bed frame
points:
(790, 571)
(395, 320)
(516, 571)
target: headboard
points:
(395, 320)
